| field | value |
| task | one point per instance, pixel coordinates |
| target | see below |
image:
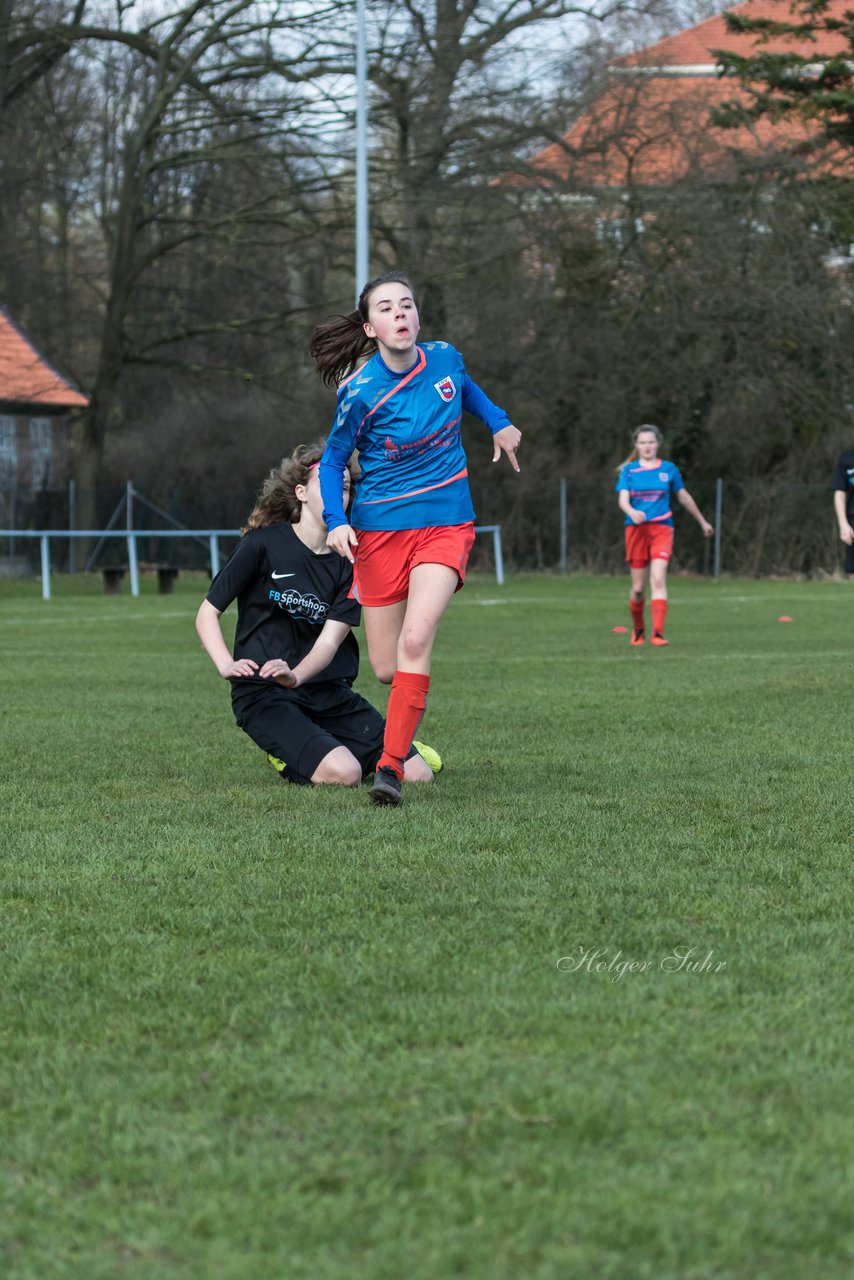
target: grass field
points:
(581, 1009)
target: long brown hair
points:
(340, 342)
(634, 455)
(277, 502)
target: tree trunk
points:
(104, 413)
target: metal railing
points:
(213, 536)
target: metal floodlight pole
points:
(72, 524)
(719, 515)
(133, 561)
(361, 148)
(562, 560)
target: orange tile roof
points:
(26, 377)
(694, 46)
(653, 129)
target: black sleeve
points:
(240, 569)
(344, 608)
(840, 478)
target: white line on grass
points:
(808, 656)
(713, 598)
(694, 654)
(65, 618)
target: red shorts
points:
(385, 559)
(645, 542)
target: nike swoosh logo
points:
(283, 575)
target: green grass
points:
(257, 1031)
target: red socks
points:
(636, 610)
(659, 616)
(406, 704)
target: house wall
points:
(34, 459)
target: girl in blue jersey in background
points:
(645, 487)
(412, 520)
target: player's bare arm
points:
(210, 633)
(846, 532)
(636, 517)
(691, 507)
(317, 659)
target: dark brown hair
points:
(340, 342)
(277, 502)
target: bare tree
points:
(34, 37)
(206, 147)
(459, 88)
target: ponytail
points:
(338, 345)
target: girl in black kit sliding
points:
(295, 657)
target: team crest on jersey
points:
(663, 477)
(446, 388)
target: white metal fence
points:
(131, 536)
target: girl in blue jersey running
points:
(401, 404)
(645, 485)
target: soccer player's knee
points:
(352, 775)
(341, 772)
(415, 642)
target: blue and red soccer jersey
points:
(650, 489)
(406, 427)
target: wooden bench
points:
(112, 575)
(166, 575)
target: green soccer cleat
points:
(278, 765)
(429, 756)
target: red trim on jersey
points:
(422, 364)
(372, 502)
(350, 376)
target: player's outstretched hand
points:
(343, 540)
(708, 529)
(277, 669)
(508, 439)
(243, 667)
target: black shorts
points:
(849, 559)
(301, 726)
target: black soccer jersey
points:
(844, 480)
(285, 593)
